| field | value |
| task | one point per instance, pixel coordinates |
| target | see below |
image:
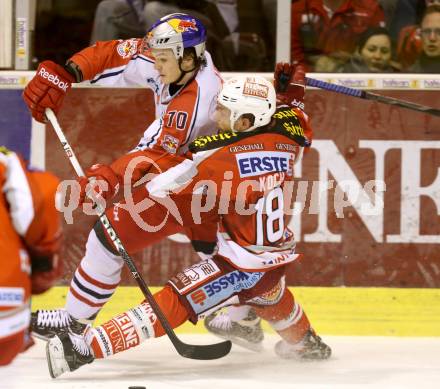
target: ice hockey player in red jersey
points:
(30, 237)
(172, 61)
(245, 173)
(241, 324)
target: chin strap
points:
(198, 63)
(183, 73)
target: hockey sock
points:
(94, 281)
(286, 317)
(132, 327)
(10, 347)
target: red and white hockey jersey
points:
(249, 179)
(28, 221)
(181, 117)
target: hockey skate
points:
(246, 333)
(67, 352)
(310, 348)
(45, 324)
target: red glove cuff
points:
(290, 84)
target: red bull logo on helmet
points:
(183, 25)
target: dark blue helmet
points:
(177, 32)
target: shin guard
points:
(286, 317)
(132, 327)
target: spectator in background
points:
(119, 19)
(124, 19)
(330, 28)
(374, 53)
(270, 12)
(409, 43)
(231, 47)
(236, 29)
(429, 60)
(399, 14)
(221, 13)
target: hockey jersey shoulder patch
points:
(288, 124)
(170, 144)
(127, 48)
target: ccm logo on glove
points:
(297, 103)
(54, 79)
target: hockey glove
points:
(47, 89)
(290, 84)
(102, 180)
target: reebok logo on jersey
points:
(53, 79)
(258, 163)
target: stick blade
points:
(202, 351)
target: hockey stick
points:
(203, 352)
(371, 96)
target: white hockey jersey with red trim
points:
(180, 118)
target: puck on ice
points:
(137, 387)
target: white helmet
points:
(177, 32)
(254, 95)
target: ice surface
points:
(357, 362)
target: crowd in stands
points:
(367, 36)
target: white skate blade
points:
(285, 352)
(55, 357)
(255, 347)
(41, 337)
